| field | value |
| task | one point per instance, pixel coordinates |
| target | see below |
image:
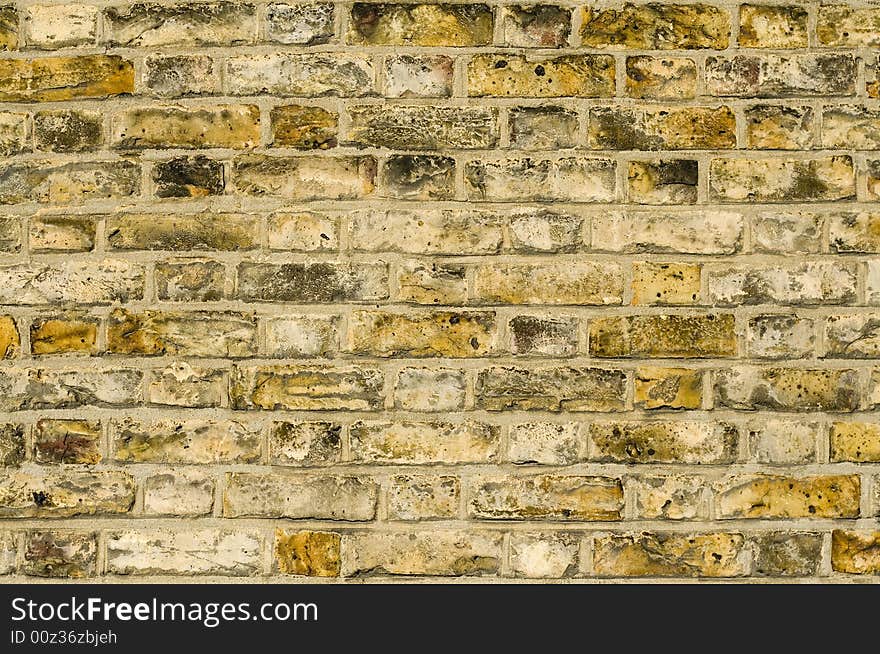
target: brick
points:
(825, 179)
(307, 75)
(292, 496)
(783, 232)
(423, 389)
(543, 128)
(872, 285)
(537, 336)
(431, 283)
(304, 178)
(547, 497)
(50, 388)
(423, 497)
(666, 128)
(202, 552)
(186, 24)
(780, 337)
(784, 554)
(68, 131)
(660, 78)
(8, 545)
(177, 76)
(677, 497)
(672, 181)
(313, 282)
(299, 24)
(546, 443)
(851, 127)
(871, 174)
(783, 441)
(220, 126)
(424, 442)
(668, 388)
(68, 183)
(786, 389)
(182, 281)
(812, 283)
(185, 386)
(551, 389)
(53, 79)
(307, 231)
(852, 336)
(435, 553)
(694, 232)
(572, 179)
(302, 336)
(64, 335)
(10, 341)
(60, 554)
(419, 177)
(775, 127)
(781, 76)
(436, 334)
(855, 441)
(537, 26)
(577, 283)
(63, 233)
(656, 26)
(768, 26)
(179, 492)
(665, 283)
(854, 552)
(711, 555)
(197, 334)
(854, 232)
(775, 496)
(664, 442)
(188, 177)
(432, 231)
(67, 441)
(542, 230)
(548, 555)
(500, 75)
(658, 336)
(840, 25)
(306, 388)
(55, 493)
(308, 553)
(418, 76)
(9, 37)
(14, 133)
(303, 128)
(60, 26)
(422, 127)
(184, 441)
(432, 25)
(305, 443)
(12, 445)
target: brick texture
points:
(566, 291)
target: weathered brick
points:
(694, 232)
(871, 174)
(184, 441)
(184, 24)
(419, 177)
(547, 443)
(854, 232)
(188, 177)
(307, 231)
(787, 389)
(446, 334)
(544, 230)
(657, 181)
(55, 493)
(235, 553)
(537, 336)
(60, 554)
(424, 442)
(773, 496)
(303, 128)
(785, 554)
(10, 341)
(8, 555)
(665, 283)
(12, 445)
(176, 76)
(855, 441)
(668, 388)
(305, 443)
(190, 280)
(808, 284)
(855, 336)
(185, 386)
(62, 233)
(665, 128)
(220, 126)
(53, 79)
(306, 388)
(851, 127)
(660, 78)
(536, 26)
(277, 495)
(841, 25)
(579, 283)
(676, 497)
(51, 388)
(305, 178)
(9, 37)
(547, 497)
(199, 334)
(424, 389)
(551, 389)
(299, 24)
(783, 441)
(786, 232)
(431, 283)
(656, 26)
(420, 24)
(572, 179)
(780, 76)
(778, 127)
(543, 128)
(657, 336)
(67, 441)
(64, 335)
(68, 183)
(436, 553)
(780, 337)
(855, 553)
(68, 131)
(418, 76)
(312, 282)
(499, 75)
(308, 553)
(423, 497)
(302, 336)
(422, 127)
(769, 26)
(823, 179)
(431, 231)
(14, 133)
(671, 555)
(288, 74)
(548, 555)
(664, 442)
(179, 492)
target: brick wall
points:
(444, 290)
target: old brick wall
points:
(313, 290)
